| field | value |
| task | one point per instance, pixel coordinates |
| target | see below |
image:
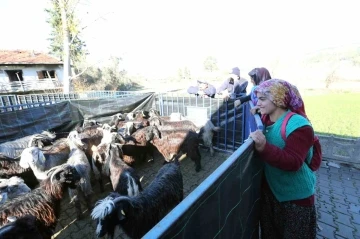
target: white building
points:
(23, 71)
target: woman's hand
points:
(259, 139)
(254, 110)
(237, 103)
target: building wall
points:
(30, 72)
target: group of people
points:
(288, 185)
(233, 86)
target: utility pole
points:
(66, 52)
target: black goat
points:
(137, 215)
(123, 177)
(10, 167)
(44, 201)
(25, 227)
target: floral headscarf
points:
(282, 94)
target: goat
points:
(44, 201)
(122, 123)
(137, 215)
(25, 227)
(206, 131)
(89, 123)
(173, 142)
(79, 161)
(138, 144)
(123, 177)
(12, 188)
(41, 140)
(40, 161)
(10, 167)
(14, 148)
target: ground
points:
(337, 202)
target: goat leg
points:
(101, 184)
(78, 208)
(88, 200)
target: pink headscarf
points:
(283, 94)
(259, 75)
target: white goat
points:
(78, 159)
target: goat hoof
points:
(211, 152)
(197, 169)
(79, 217)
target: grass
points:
(334, 113)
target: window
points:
(46, 74)
(15, 75)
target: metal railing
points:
(30, 85)
(18, 102)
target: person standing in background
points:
(257, 76)
(233, 86)
(203, 89)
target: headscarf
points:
(259, 75)
(283, 95)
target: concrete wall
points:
(340, 149)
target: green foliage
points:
(109, 77)
(334, 113)
(77, 47)
(336, 55)
(184, 73)
(210, 64)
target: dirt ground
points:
(70, 228)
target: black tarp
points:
(65, 116)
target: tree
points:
(76, 44)
(210, 64)
(65, 40)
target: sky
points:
(158, 37)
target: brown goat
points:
(174, 142)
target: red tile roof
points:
(19, 57)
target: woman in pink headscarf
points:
(257, 75)
(287, 207)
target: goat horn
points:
(118, 199)
(57, 169)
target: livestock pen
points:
(220, 201)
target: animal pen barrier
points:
(224, 205)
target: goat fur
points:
(137, 215)
(44, 201)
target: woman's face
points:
(266, 106)
(203, 86)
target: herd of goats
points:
(34, 182)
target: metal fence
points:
(198, 110)
(19, 102)
(226, 204)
